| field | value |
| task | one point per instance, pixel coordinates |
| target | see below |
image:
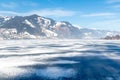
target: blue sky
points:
(100, 14)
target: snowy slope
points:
(34, 26)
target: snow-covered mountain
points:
(34, 27)
(96, 34)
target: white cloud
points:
(14, 5)
(8, 13)
(32, 4)
(54, 12)
(98, 14)
(113, 1)
(113, 24)
(9, 5)
(116, 6)
(44, 12)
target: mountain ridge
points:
(35, 27)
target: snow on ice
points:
(60, 59)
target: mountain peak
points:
(35, 26)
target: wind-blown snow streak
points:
(59, 59)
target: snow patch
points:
(77, 26)
(49, 33)
(29, 23)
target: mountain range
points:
(37, 27)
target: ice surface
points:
(60, 59)
(55, 72)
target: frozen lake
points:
(59, 60)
